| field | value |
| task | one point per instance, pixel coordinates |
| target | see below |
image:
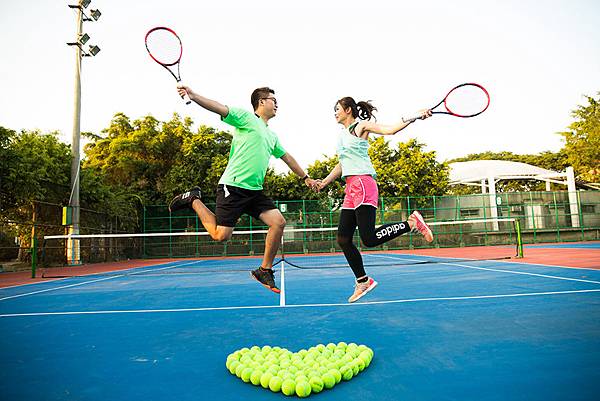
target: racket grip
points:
(185, 97)
(411, 119)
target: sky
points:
(537, 59)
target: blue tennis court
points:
(484, 330)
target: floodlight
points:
(83, 38)
(96, 14)
(85, 3)
(94, 50)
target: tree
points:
(201, 161)
(407, 170)
(582, 142)
(37, 167)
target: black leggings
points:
(363, 217)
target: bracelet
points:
(305, 177)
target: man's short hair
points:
(258, 94)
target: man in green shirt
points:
(240, 188)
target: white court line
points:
(375, 255)
(282, 293)
(94, 281)
(355, 304)
(516, 272)
(545, 265)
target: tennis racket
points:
(164, 46)
(465, 100)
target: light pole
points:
(73, 255)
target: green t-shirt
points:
(251, 148)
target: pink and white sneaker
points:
(361, 289)
(420, 225)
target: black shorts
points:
(232, 202)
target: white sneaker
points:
(361, 289)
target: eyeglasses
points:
(271, 98)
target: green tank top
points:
(353, 153)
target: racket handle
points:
(185, 97)
(411, 119)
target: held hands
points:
(315, 185)
(311, 183)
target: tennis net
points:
(304, 248)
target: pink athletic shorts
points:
(360, 190)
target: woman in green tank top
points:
(361, 195)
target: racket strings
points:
(466, 100)
(164, 46)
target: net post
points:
(34, 249)
(410, 237)
(304, 220)
(144, 253)
(519, 238)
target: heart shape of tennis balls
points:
(299, 373)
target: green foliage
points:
(582, 142)
(156, 160)
(35, 166)
(408, 170)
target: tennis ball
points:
(255, 377)
(309, 362)
(301, 378)
(266, 349)
(365, 357)
(284, 374)
(355, 368)
(265, 378)
(346, 372)
(361, 364)
(328, 380)
(303, 389)
(316, 384)
(288, 387)
(336, 374)
(239, 368)
(246, 373)
(244, 350)
(275, 384)
(342, 345)
(232, 366)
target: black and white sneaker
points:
(185, 200)
(266, 277)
